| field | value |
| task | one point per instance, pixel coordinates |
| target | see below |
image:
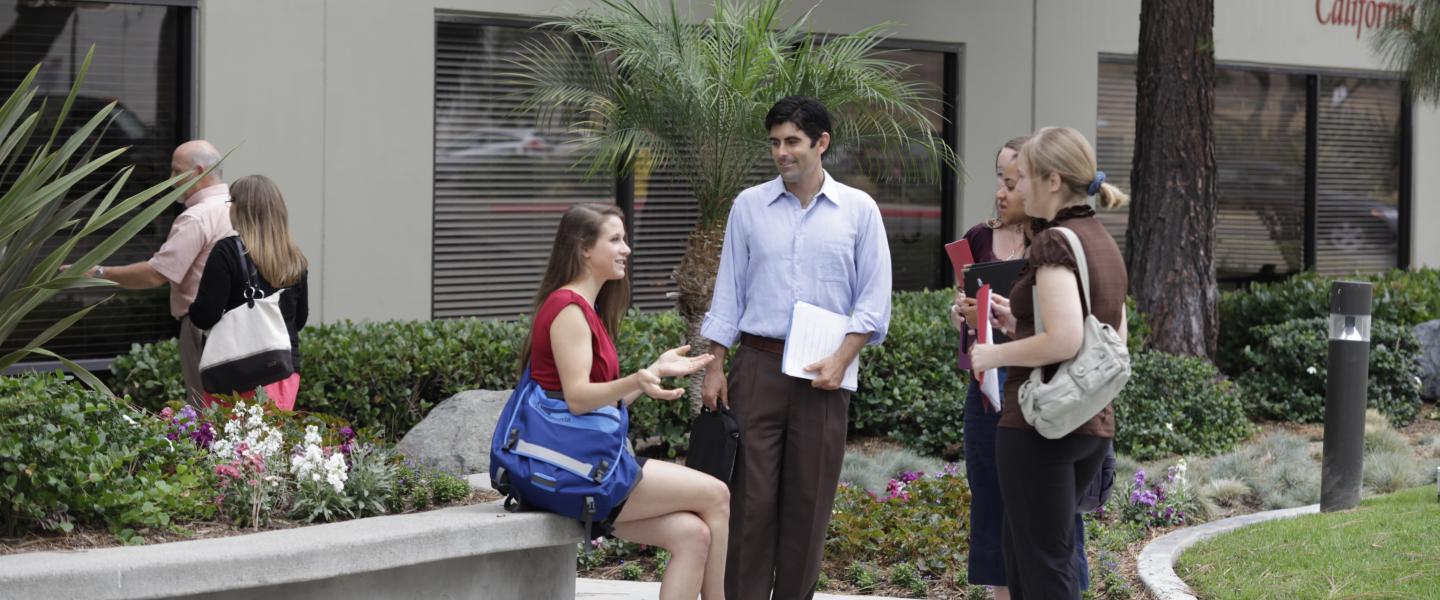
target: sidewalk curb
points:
(1156, 563)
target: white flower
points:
(129, 420)
(335, 473)
(1170, 426)
(1310, 370)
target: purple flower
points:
(203, 435)
(1147, 498)
(909, 476)
(347, 434)
(1139, 477)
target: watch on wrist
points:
(100, 271)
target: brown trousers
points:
(192, 342)
(792, 443)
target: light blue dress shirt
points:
(833, 254)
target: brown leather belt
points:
(763, 344)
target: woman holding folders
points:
(578, 306)
(1041, 479)
(262, 248)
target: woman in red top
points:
(579, 303)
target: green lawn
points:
(1389, 547)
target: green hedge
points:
(1405, 298)
(1288, 378)
(383, 376)
(1177, 405)
(910, 389)
(388, 375)
(70, 456)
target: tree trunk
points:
(1171, 241)
(695, 278)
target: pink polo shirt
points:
(181, 259)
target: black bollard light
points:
(1346, 386)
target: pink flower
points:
(166, 413)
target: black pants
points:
(1040, 480)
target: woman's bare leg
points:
(666, 489)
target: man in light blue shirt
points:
(800, 237)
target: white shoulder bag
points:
(1083, 385)
(250, 345)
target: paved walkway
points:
(605, 589)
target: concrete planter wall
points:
(475, 551)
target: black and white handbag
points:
(250, 346)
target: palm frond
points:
(641, 76)
(1412, 44)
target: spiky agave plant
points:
(42, 205)
(1411, 43)
(636, 78)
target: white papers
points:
(990, 379)
(815, 334)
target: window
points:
(142, 58)
(501, 184)
(1261, 140)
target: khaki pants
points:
(192, 341)
(792, 443)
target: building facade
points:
(418, 192)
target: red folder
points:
(960, 257)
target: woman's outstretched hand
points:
(675, 363)
(650, 385)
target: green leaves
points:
(38, 207)
(1177, 405)
(1413, 45)
(635, 76)
(1290, 361)
(72, 456)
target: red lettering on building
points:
(1364, 14)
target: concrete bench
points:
(477, 551)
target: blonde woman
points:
(1041, 479)
(262, 238)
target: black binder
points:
(1001, 275)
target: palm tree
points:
(639, 79)
(1411, 43)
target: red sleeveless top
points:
(605, 362)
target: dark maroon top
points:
(605, 364)
(982, 248)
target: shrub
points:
(1288, 380)
(910, 390)
(1279, 469)
(643, 336)
(70, 456)
(1405, 298)
(1177, 405)
(921, 520)
(872, 472)
(1387, 472)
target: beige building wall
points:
(335, 99)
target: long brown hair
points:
(579, 230)
(257, 212)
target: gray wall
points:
(334, 99)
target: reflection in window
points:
(1261, 161)
(1357, 194)
(138, 65)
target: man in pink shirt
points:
(181, 260)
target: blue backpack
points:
(578, 466)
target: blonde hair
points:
(1064, 151)
(259, 216)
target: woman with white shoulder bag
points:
(1067, 360)
(253, 300)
